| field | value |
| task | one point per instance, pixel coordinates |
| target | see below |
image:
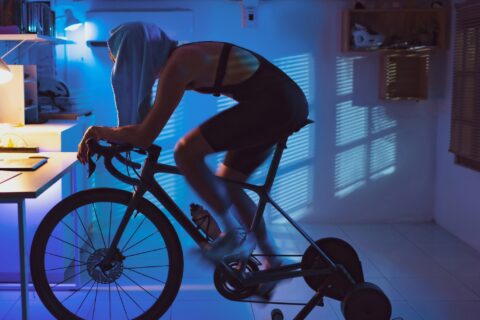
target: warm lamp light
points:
(5, 73)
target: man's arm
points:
(181, 69)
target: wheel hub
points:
(95, 270)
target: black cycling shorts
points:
(250, 129)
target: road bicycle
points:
(105, 252)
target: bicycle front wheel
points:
(71, 242)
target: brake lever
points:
(91, 166)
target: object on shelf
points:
(19, 149)
(401, 28)
(72, 114)
(437, 4)
(11, 12)
(11, 29)
(359, 5)
(40, 19)
(32, 114)
(364, 38)
(13, 143)
(54, 93)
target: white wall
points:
(363, 160)
(457, 200)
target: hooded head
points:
(140, 50)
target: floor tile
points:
(9, 295)
(6, 307)
(38, 312)
(198, 289)
(457, 259)
(371, 234)
(472, 282)
(263, 312)
(432, 288)
(448, 310)
(427, 233)
(402, 260)
(212, 310)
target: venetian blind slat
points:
(465, 123)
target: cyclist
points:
(270, 106)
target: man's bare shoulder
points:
(189, 58)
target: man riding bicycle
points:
(270, 107)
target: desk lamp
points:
(6, 76)
(5, 73)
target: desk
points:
(31, 184)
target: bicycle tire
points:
(77, 200)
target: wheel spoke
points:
(71, 277)
(109, 302)
(95, 302)
(135, 231)
(99, 226)
(145, 275)
(60, 268)
(81, 238)
(130, 298)
(148, 267)
(77, 290)
(71, 244)
(138, 242)
(144, 252)
(85, 298)
(110, 224)
(121, 300)
(140, 286)
(57, 255)
(85, 229)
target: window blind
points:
(465, 123)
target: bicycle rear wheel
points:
(71, 241)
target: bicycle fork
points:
(112, 252)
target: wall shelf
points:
(402, 28)
(32, 37)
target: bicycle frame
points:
(147, 182)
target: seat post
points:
(274, 164)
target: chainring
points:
(229, 287)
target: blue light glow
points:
(365, 137)
(352, 123)
(300, 69)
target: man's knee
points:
(183, 151)
(230, 173)
(192, 147)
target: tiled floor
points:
(426, 272)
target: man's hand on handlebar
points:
(83, 153)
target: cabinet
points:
(56, 135)
(405, 29)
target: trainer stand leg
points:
(317, 300)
